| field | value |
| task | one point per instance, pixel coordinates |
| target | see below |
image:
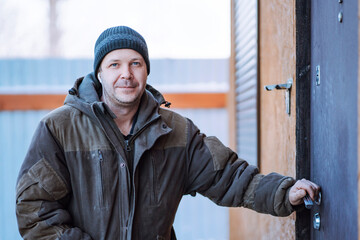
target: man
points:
(112, 164)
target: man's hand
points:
(299, 190)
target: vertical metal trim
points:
(245, 61)
(232, 90)
(258, 86)
(358, 146)
(303, 60)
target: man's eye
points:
(114, 65)
(135, 63)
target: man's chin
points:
(131, 101)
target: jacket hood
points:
(87, 92)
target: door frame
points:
(303, 91)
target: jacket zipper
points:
(127, 146)
(132, 138)
(132, 203)
(154, 200)
(101, 177)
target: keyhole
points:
(317, 75)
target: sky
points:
(172, 28)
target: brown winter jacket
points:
(81, 180)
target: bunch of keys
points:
(309, 203)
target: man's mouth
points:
(125, 84)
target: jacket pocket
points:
(49, 180)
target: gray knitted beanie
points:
(119, 38)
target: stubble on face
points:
(122, 96)
(124, 76)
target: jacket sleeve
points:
(42, 191)
(216, 172)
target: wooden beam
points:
(197, 100)
(13, 102)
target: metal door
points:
(334, 132)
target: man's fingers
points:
(313, 185)
(311, 188)
(301, 193)
(315, 188)
(300, 189)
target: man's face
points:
(123, 74)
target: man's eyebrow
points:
(119, 60)
(113, 60)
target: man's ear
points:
(99, 77)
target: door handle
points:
(309, 203)
(285, 86)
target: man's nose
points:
(125, 72)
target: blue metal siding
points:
(42, 72)
(197, 218)
(189, 71)
(16, 130)
(63, 72)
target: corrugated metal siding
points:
(42, 72)
(246, 48)
(197, 218)
(60, 74)
(16, 130)
(189, 71)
